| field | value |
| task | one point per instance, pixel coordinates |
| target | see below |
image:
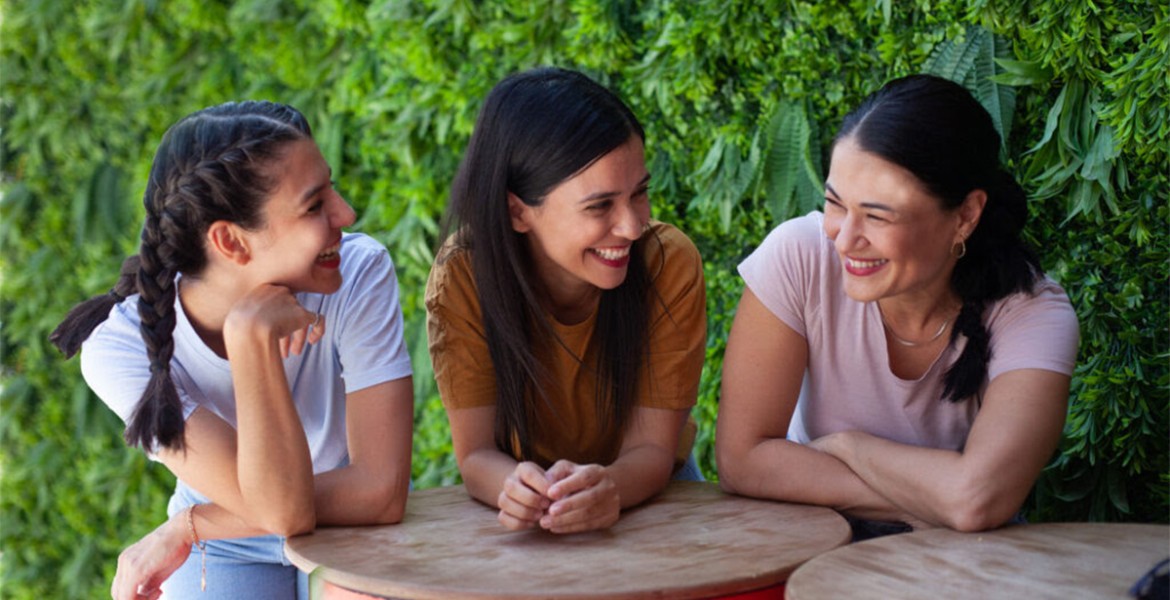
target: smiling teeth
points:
(865, 264)
(330, 252)
(612, 253)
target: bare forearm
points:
(929, 483)
(640, 473)
(782, 470)
(274, 466)
(343, 497)
(484, 472)
(214, 522)
(353, 496)
(1014, 435)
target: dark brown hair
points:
(536, 129)
(212, 165)
(938, 131)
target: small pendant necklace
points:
(908, 343)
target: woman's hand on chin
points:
(272, 312)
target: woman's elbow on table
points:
(380, 501)
(979, 508)
(394, 508)
(734, 467)
(727, 478)
(974, 520)
(291, 522)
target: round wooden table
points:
(1049, 560)
(691, 541)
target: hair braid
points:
(212, 165)
(965, 377)
(81, 321)
(936, 130)
(158, 416)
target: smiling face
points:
(893, 238)
(580, 235)
(298, 245)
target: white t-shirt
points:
(848, 385)
(363, 346)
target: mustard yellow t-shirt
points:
(567, 426)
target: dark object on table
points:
(1155, 584)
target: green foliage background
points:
(739, 100)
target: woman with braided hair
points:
(900, 356)
(254, 349)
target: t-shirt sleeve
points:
(456, 335)
(371, 348)
(780, 271)
(678, 326)
(1034, 331)
(115, 366)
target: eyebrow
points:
(869, 205)
(313, 191)
(599, 195)
(878, 206)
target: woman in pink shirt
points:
(900, 356)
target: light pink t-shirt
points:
(848, 384)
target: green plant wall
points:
(739, 100)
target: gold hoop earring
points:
(959, 250)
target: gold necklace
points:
(908, 343)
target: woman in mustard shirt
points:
(567, 328)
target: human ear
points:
(520, 213)
(970, 211)
(226, 240)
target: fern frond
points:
(971, 62)
(786, 160)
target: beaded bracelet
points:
(202, 545)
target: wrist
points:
(847, 446)
(174, 530)
(244, 333)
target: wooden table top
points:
(1048, 560)
(691, 541)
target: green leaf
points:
(1054, 116)
(1022, 73)
(787, 161)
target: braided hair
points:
(212, 165)
(938, 131)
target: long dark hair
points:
(212, 165)
(938, 131)
(536, 129)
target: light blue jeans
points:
(254, 568)
(689, 471)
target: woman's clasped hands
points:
(567, 498)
